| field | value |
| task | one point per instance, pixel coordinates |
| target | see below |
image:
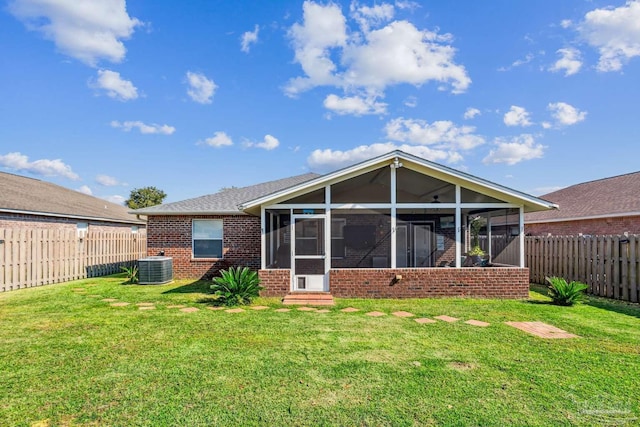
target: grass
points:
(69, 358)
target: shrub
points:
(476, 251)
(563, 293)
(236, 286)
(132, 274)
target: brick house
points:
(391, 226)
(607, 206)
(32, 203)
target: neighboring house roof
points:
(248, 199)
(23, 195)
(226, 201)
(602, 198)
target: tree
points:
(145, 197)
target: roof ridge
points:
(599, 179)
(22, 176)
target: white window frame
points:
(82, 228)
(193, 239)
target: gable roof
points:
(531, 203)
(614, 196)
(24, 195)
(227, 201)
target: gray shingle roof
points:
(608, 196)
(30, 195)
(227, 201)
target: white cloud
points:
(411, 102)
(201, 89)
(219, 139)
(354, 105)
(566, 23)
(442, 134)
(107, 181)
(269, 143)
(566, 114)
(85, 190)
(117, 199)
(144, 128)
(615, 33)
(115, 86)
(249, 38)
(368, 59)
(327, 159)
(570, 61)
(546, 125)
(87, 31)
(471, 113)
(45, 167)
(517, 116)
(515, 150)
(518, 62)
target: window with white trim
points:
(207, 238)
(82, 228)
(338, 248)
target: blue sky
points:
(193, 96)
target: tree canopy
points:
(145, 197)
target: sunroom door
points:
(308, 260)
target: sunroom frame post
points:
(458, 219)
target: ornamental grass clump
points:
(563, 293)
(236, 286)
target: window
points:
(134, 229)
(82, 228)
(338, 249)
(207, 238)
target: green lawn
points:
(69, 358)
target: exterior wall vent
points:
(155, 270)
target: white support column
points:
(521, 236)
(394, 212)
(458, 218)
(263, 240)
(272, 248)
(489, 241)
(327, 232)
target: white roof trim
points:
(334, 176)
(583, 218)
(134, 221)
(189, 213)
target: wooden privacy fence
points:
(36, 257)
(609, 265)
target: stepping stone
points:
(175, 306)
(375, 314)
(349, 310)
(307, 309)
(403, 314)
(424, 320)
(235, 310)
(119, 304)
(216, 308)
(477, 323)
(259, 307)
(541, 330)
(109, 300)
(282, 310)
(447, 319)
(147, 307)
(189, 310)
(145, 304)
(324, 310)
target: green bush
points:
(236, 286)
(563, 293)
(132, 274)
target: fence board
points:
(609, 265)
(39, 257)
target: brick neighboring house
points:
(391, 226)
(32, 203)
(607, 206)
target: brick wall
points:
(11, 220)
(172, 234)
(600, 226)
(507, 282)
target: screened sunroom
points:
(395, 213)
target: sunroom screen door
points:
(309, 253)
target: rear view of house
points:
(393, 226)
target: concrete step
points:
(308, 298)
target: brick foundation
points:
(499, 282)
